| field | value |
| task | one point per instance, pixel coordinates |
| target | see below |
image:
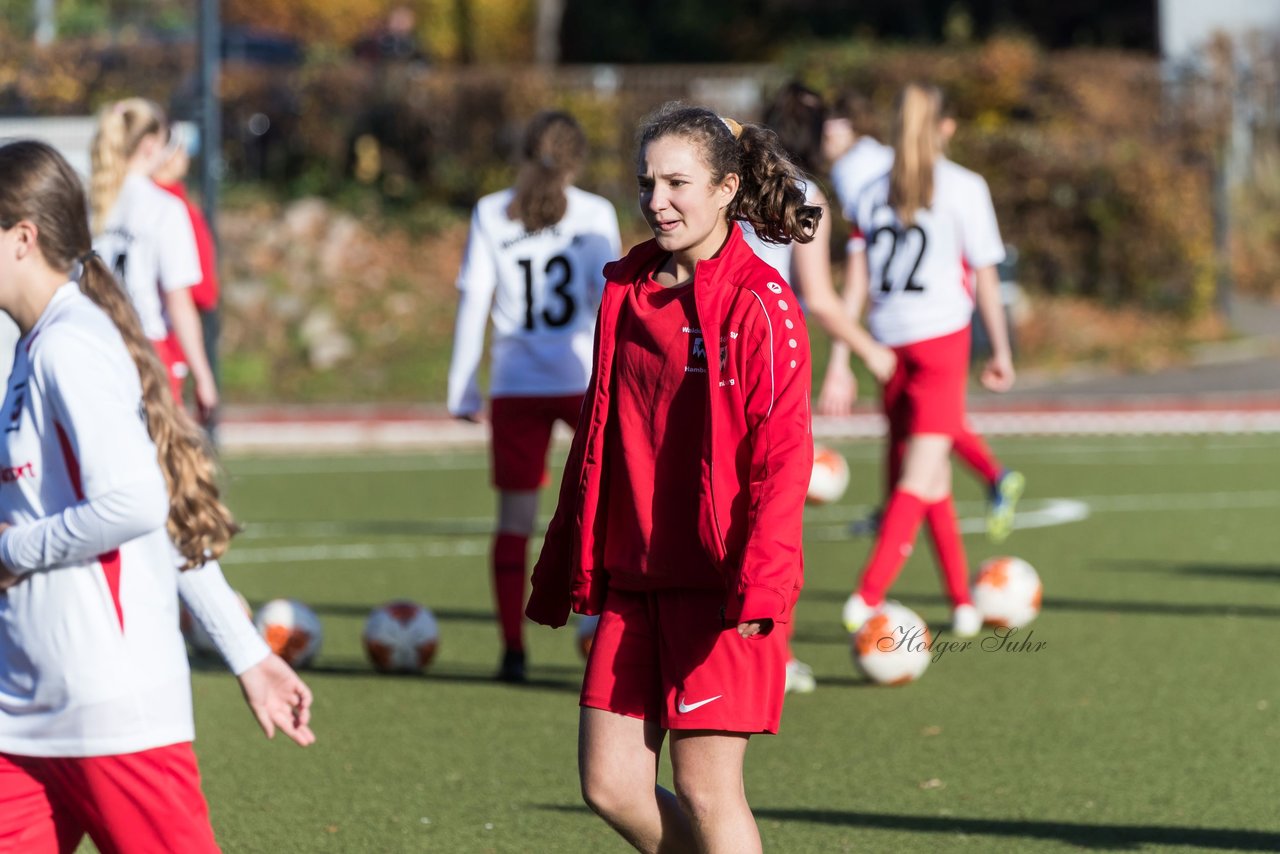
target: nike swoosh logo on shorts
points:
(684, 708)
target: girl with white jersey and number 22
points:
(923, 227)
(108, 512)
(533, 265)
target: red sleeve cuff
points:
(763, 603)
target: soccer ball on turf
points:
(893, 645)
(830, 477)
(291, 629)
(197, 638)
(1007, 591)
(585, 633)
(401, 637)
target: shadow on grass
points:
(1058, 603)
(1111, 837)
(1266, 572)
(570, 683)
(286, 528)
(444, 615)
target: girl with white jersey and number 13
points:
(108, 512)
(923, 227)
(146, 238)
(533, 265)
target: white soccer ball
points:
(1007, 592)
(291, 629)
(197, 638)
(585, 633)
(830, 476)
(893, 645)
(401, 637)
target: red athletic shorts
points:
(135, 803)
(175, 364)
(926, 394)
(522, 435)
(666, 656)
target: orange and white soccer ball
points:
(1007, 592)
(893, 646)
(830, 476)
(401, 637)
(197, 638)
(585, 633)
(291, 629)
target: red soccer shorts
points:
(175, 364)
(666, 656)
(135, 803)
(927, 392)
(522, 434)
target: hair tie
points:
(86, 257)
(734, 127)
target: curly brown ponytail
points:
(38, 185)
(771, 194)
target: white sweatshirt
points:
(91, 658)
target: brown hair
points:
(797, 115)
(857, 110)
(917, 142)
(553, 151)
(121, 127)
(37, 185)
(770, 193)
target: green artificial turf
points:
(1147, 721)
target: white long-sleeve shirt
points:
(150, 245)
(542, 291)
(91, 658)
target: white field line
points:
(301, 436)
(827, 523)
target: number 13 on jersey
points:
(552, 282)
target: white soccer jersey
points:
(542, 290)
(779, 255)
(149, 244)
(919, 276)
(91, 658)
(856, 168)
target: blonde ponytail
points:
(917, 142)
(199, 524)
(121, 127)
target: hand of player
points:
(998, 374)
(754, 627)
(278, 699)
(882, 362)
(839, 391)
(206, 399)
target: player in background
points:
(145, 236)
(857, 159)
(924, 226)
(797, 115)
(533, 266)
(108, 510)
(681, 509)
(169, 176)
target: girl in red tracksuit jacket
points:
(679, 519)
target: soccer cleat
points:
(856, 612)
(512, 668)
(868, 526)
(1004, 502)
(800, 678)
(966, 622)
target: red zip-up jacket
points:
(757, 449)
